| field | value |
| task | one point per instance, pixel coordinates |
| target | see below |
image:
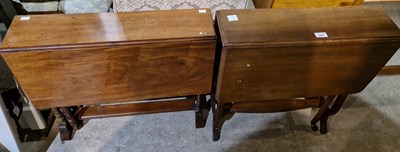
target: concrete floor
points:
(368, 121)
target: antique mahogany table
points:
(79, 64)
(276, 60)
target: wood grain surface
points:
(158, 54)
(136, 109)
(263, 3)
(299, 25)
(259, 66)
(97, 28)
(390, 70)
(116, 73)
(314, 3)
(274, 105)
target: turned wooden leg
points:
(324, 108)
(70, 117)
(202, 108)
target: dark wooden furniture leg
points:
(202, 108)
(221, 113)
(64, 129)
(217, 120)
(324, 123)
(338, 104)
(324, 112)
(70, 117)
(68, 123)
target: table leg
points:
(65, 131)
(221, 113)
(68, 122)
(57, 113)
(325, 111)
(338, 104)
(321, 112)
(202, 108)
(70, 117)
(217, 120)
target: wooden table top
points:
(272, 54)
(62, 30)
(77, 59)
(299, 25)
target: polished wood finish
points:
(265, 27)
(300, 71)
(111, 57)
(263, 3)
(270, 56)
(314, 3)
(390, 70)
(103, 29)
(274, 105)
(392, 9)
(382, 0)
(298, 63)
(137, 108)
(103, 58)
(304, 3)
(97, 75)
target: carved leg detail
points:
(202, 108)
(70, 117)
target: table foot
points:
(65, 131)
(202, 108)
